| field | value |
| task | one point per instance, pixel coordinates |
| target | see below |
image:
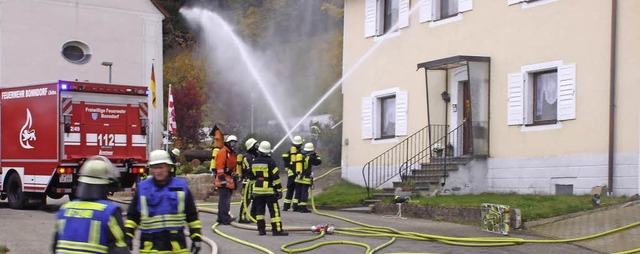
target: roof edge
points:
(160, 8)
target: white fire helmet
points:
(98, 170)
(265, 147)
(159, 157)
(297, 140)
(176, 151)
(250, 143)
(231, 138)
(308, 147)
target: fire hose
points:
(367, 230)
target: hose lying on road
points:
(367, 230)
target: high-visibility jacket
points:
(308, 161)
(225, 168)
(290, 159)
(88, 227)
(246, 164)
(162, 208)
(265, 176)
(169, 207)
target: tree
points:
(189, 102)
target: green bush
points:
(201, 169)
(3, 249)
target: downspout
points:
(612, 93)
(426, 88)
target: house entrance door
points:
(467, 137)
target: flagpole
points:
(169, 118)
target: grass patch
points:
(533, 207)
(342, 194)
(3, 249)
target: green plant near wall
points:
(3, 249)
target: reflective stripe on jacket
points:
(225, 161)
(83, 227)
(265, 176)
(162, 208)
(308, 161)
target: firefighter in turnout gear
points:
(162, 205)
(225, 165)
(267, 189)
(252, 152)
(305, 179)
(290, 160)
(90, 224)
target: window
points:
(383, 16)
(388, 117)
(384, 114)
(76, 52)
(542, 94)
(446, 8)
(390, 14)
(545, 97)
(442, 9)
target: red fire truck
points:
(48, 130)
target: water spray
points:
(366, 55)
(199, 15)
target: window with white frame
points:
(382, 16)
(542, 94)
(433, 10)
(384, 114)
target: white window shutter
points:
(402, 100)
(567, 92)
(426, 11)
(512, 2)
(370, 15)
(367, 118)
(515, 106)
(465, 5)
(403, 17)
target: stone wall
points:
(466, 215)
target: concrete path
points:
(595, 222)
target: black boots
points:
(274, 228)
(295, 207)
(303, 209)
(261, 227)
(286, 207)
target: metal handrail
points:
(410, 153)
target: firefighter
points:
(305, 179)
(289, 159)
(267, 189)
(161, 207)
(90, 224)
(174, 157)
(252, 152)
(225, 165)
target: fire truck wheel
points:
(56, 195)
(17, 198)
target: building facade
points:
(101, 41)
(537, 97)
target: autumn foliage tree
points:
(189, 114)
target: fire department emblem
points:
(26, 133)
(94, 116)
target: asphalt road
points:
(30, 231)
